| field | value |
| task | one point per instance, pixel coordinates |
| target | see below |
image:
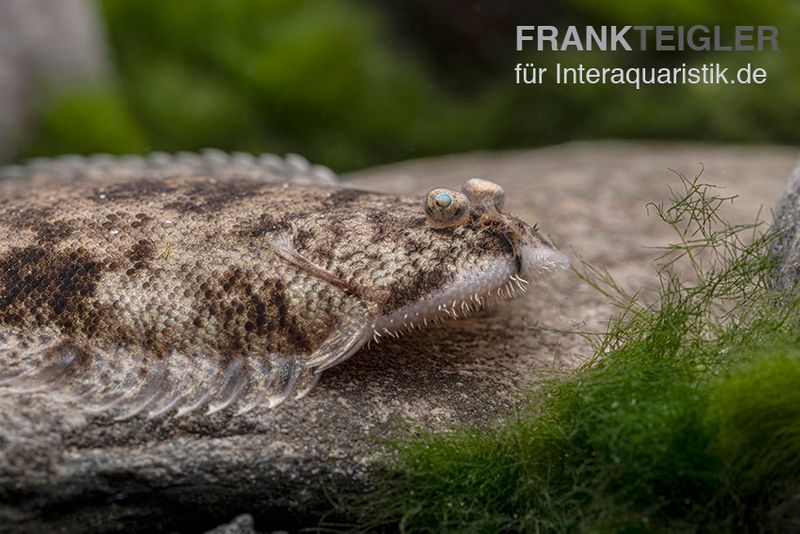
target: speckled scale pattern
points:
(159, 284)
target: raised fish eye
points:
(484, 194)
(445, 208)
(443, 200)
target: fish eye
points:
(446, 208)
(443, 200)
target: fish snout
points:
(537, 255)
(537, 259)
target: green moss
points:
(754, 417)
(687, 419)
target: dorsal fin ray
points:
(291, 168)
(125, 382)
(283, 245)
(149, 393)
(232, 388)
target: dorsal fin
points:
(210, 162)
(128, 382)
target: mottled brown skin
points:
(175, 261)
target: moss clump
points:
(687, 419)
(754, 419)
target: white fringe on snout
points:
(479, 289)
(540, 260)
(474, 291)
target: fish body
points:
(173, 284)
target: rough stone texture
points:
(44, 45)
(62, 470)
(787, 246)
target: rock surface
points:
(786, 247)
(61, 470)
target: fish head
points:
(451, 254)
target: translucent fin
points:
(283, 386)
(180, 381)
(124, 381)
(261, 379)
(234, 385)
(216, 390)
(107, 404)
(195, 404)
(79, 396)
(172, 402)
(147, 395)
(127, 383)
(340, 346)
(308, 379)
(215, 163)
(205, 374)
(45, 367)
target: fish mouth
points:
(482, 287)
(536, 256)
(477, 289)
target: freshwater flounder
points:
(171, 284)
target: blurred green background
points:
(351, 83)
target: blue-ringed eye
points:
(443, 200)
(446, 208)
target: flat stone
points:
(63, 470)
(786, 248)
